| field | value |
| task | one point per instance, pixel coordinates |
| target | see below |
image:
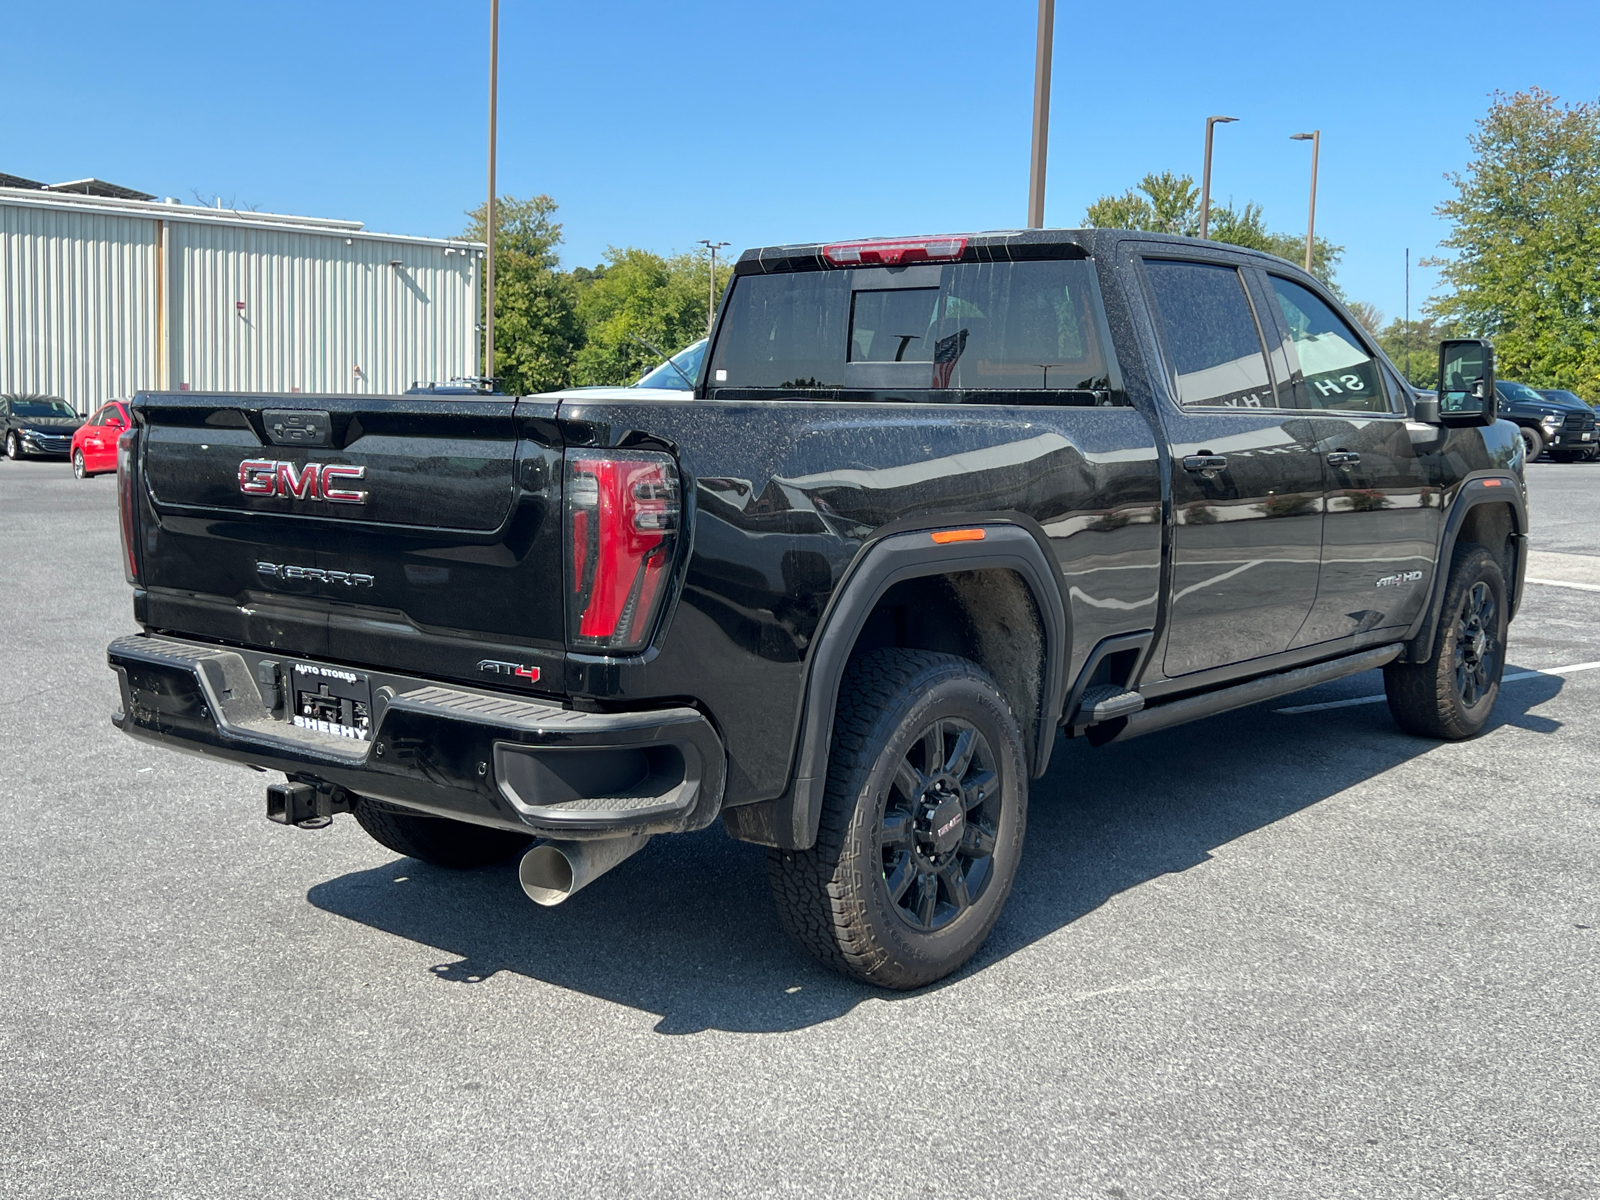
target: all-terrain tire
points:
(1532, 443)
(436, 840)
(902, 807)
(1452, 694)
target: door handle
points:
(1344, 458)
(1204, 462)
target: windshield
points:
(1562, 396)
(1518, 391)
(42, 408)
(688, 363)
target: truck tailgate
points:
(433, 543)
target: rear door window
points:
(1337, 372)
(1213, 342)
(991, 332)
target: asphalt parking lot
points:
(1274, 954)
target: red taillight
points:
(127, 512)
(894, 252)
(622, 525)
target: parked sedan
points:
(94, 446)
(678, 373)
(37, 425)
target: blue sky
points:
(756, 122)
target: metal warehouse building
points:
(103, 296)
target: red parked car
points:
(94, 446)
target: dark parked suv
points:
(1564, 427)
(37, 425)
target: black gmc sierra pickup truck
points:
(930, 501)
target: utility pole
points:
(1205, 174)
(1315, 138)
(488, 271)
(711, 303)
(1408, 314)
(1041, 111)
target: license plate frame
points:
(332, 700)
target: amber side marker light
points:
(1493, 482)
(945, 536)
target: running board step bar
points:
(1241, 695)
(1106, 702)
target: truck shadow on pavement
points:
(686, 930)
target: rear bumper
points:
(503, 761)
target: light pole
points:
(711, 303)
(1315, 138)
(488, 270)
(1205, 174)
(1041, 111)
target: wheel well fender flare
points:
(1488, 487)
(898, 557)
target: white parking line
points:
(1379, 699)
(1582, 587)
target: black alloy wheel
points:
(1532, 443)
(922, 822)
(939, 825)
(1477, 651)
(78, 468)
(1453, 693)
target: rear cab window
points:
(1021, 332)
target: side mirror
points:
(1466, 383)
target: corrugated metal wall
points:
(78, 290)
(318, 315)
(339, 311)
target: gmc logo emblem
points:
(313, 481)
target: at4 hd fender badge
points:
(509, 670)
(302, 481)
(1396, 580)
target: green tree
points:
(1246, 227)
(636, 300)
(1164, 203)
(537, 330)
(1369, 314)
(1168, 203)
(1414, 348)
(1525, 241)
(524, 227)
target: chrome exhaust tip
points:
(553, 871)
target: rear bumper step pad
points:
(504, 761)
